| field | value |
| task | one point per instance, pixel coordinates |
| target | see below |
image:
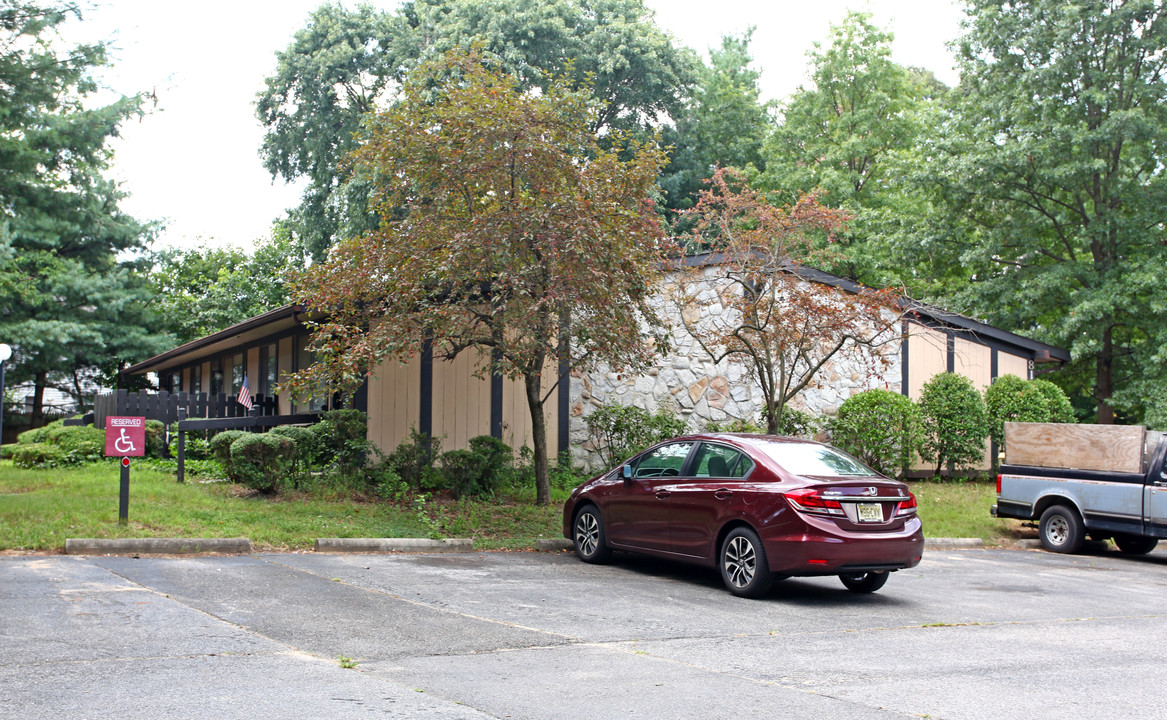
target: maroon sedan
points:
(759, 508)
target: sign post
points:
(125, 436)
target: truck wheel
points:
(1061, 530)
(1135, 544)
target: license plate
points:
(870, 512)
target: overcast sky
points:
(193, 162)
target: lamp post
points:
(5, 353)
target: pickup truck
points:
(1071, 503)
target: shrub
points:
(622, 430)
(796, 423)
(413, 461)
(463, 470)
(1011, 399)
(305, 443)
(500, 461)
(342, 437)
(261, 460)
(155, 439)
(38, 455)
(882, 428)
(80, 443)
(40, 434)
(955, 422)
(733, 426)
(1061, 410)
(221, 446)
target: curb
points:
(387, 545)
(156, 546)
(954, 544)
(554, 545)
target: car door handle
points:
(662, 494)
(723, 494)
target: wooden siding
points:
(394, 403)
(251, 370)
(516, 416)
(927, 356)
(1012, 365)
(461, 401)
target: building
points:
(452, 401)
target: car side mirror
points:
(626, 472)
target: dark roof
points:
(252, 329)
(924, 313)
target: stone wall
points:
(688, 382)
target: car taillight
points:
(812, 501)
(907, 507)
(998, 484)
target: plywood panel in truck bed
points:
(1116, 448)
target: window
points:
(236, 374)
(216, 376)
(720, 461)
(268, 367)
(304, 359)
(196, 379)
(665, 461)
(818, 460)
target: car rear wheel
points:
(591, 544)
(867, 582)
(1134, 544)
(743, 564)
(1061, 530)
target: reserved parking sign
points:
(125, 436)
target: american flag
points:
(244, 398)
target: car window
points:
(665, 461)
(720, 461)
(812, 459)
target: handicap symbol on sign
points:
(123, 444)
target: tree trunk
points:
(534, 386)
(1104, 379)
(38, 400)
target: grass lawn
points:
(39, 509)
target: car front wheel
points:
(591, 544)
(867, 582)
(743, 564)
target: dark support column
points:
(994, 373)
(905, 373)
(951, 352)
(496, 389)
(181, 445)
(361, 397)
(425, 420)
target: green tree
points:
(203, 290)
(847, 134)
(882, 428)
(1050, 177)
(955, 422)
(522, 239)
(766, 312)
(73, 298)
(344, 62)
(724, 124)
(1012, 399)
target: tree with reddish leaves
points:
(506, 228)
(768, 310)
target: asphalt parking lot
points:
(968, 634)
